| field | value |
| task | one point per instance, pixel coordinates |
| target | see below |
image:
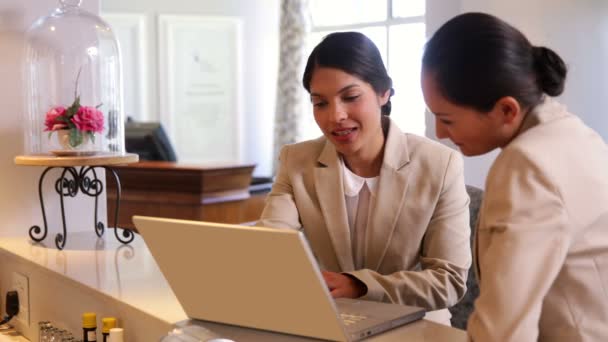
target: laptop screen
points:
(248, 276)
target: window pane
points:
(408, 8)
(308, 126)
(344, 12)
(405, 54)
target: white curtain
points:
(294, 28)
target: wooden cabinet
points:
(218, 193)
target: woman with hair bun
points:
(385, 212)
(541, 249)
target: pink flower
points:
(52, 121)
(88, 119)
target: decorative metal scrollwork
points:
(69, 184)
(128, 235)
(35, 230)
(65, 186)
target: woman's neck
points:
(364, 168)
(368, 161)
(520, 123)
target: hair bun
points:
(551, 70)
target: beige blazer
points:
(418, 249)
(542, 239)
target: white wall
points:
(260, 62)
(576, 29)
(19, 204)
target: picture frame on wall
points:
(130, 30)
(199, 86)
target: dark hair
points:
(476, 59)
(355, 54)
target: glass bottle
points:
(89, 327)
(61, 334)
(107, 323)
(54, 335)
(44, 328)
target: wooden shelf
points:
(96, 160)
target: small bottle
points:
(89, 327)
(43, 330)
(116, 335)
(50, 335)
(107, 323)
(61, 334)
(67, 337)
(56, 335)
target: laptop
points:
(260, 278)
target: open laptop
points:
(260, 278)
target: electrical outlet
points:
(21, 285)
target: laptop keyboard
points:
(349, 319)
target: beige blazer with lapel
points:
(542, 239)
(418, 249)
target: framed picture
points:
(200, 96)
(130, 30)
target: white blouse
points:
(358, 192)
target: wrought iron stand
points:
(69, 184)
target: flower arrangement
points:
(81, 122)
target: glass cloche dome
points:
(73, 85)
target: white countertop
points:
(125, 272)
(129, 274)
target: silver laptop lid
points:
(248, 276)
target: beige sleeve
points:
(280, 210)
(445, 255)
(522, 244)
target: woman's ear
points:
(383, 99)
(508, 110)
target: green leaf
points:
(50, 133)
(73, 108)
(92, 136)
(75, 137)
(70, 111)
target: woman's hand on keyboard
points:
(344, 286)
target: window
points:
(397, 27)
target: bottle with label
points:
(89, 327)
(107, 323)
